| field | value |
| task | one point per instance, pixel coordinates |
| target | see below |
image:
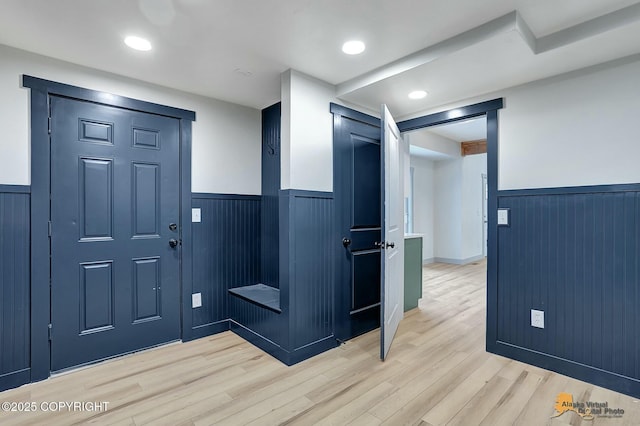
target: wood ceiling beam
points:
(473, 147)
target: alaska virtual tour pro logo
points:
(587, 410)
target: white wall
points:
(473, 167)
(423, 203)
(570, 130)
(307, 133)
(448, 207)
(226, 137)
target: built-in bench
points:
(296, 323)
(259, 294)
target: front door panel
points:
(114, 192)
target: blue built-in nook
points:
(267, 269)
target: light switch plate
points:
(503, 217)
(196, 300)
(196, 215)
(537, 318)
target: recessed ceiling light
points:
(138, 43)
(417, 94)
(353, 47)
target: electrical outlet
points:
(196, 300)
(196, 215)
(537, 318)
(503, 217)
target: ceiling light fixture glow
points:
(138, 43)
(417, 94)
(353, 47)
(455, 113)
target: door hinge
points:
(50, 228)
(50, 328)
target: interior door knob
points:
(346, 242)
(173, 243)
(392, 245)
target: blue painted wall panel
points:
(268, 324)
(311, 298)
(269, 241)
(14, 283)
(226, 252)
(575, 256)
(269, 216)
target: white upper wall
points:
(307, 133)
(580, 129)
(575, 129)
(226, 137)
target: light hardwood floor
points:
(437, 373)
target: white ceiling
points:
(461, 131)
(235, 50)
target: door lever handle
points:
(391, 244)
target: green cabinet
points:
(412, 271)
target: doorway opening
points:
(448, 181)
(344, 266)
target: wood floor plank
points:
(481, 404)
(415, 409)
(507, 410)
(464, 392)
(365, 419)
(408, 390)
(283, 413)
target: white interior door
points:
(392, 288)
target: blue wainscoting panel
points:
(269, 217)
(270, 243)
(306, 271)
(311, 298)
(576, 256)
(226, 254)
(14, 286)
(268, 326)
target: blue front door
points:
(115, 252)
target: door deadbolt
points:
(173, 226)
